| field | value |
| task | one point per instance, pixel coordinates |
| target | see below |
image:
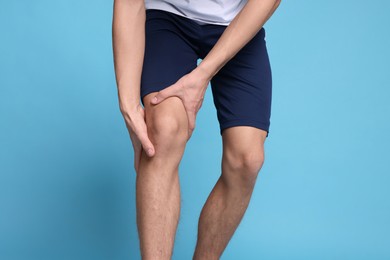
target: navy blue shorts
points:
(241, 89)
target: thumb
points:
(164, 94)
(191, 121)
(147, 145)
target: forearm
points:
(128, 37)
(240, 31)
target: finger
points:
(191, 122)
(164, 94)
(189, 134)
(137, 148)
(146, 144)
(136, 162)
(137, 158)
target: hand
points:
(190, 89)
(135, 122)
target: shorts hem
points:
(157, 86)
(244, 122)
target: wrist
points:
(128, 106)
(212, 63)
(204, 72)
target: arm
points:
(128, 36)
(192, 87)
(240, 31)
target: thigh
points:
(169, 54)
(243, 153)
(242, 89)
(244, 139)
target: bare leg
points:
(157, 182)
(243, 157)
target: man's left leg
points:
(243, 157)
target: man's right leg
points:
(157, 181)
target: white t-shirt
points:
(220, 12)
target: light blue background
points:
(66, 174)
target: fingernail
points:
(149, 151)
(154, 100)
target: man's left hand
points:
(190, 89)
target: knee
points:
(166, 130)
(244, 166)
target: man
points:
(156, 48)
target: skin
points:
(159, 133)
(192, 87)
